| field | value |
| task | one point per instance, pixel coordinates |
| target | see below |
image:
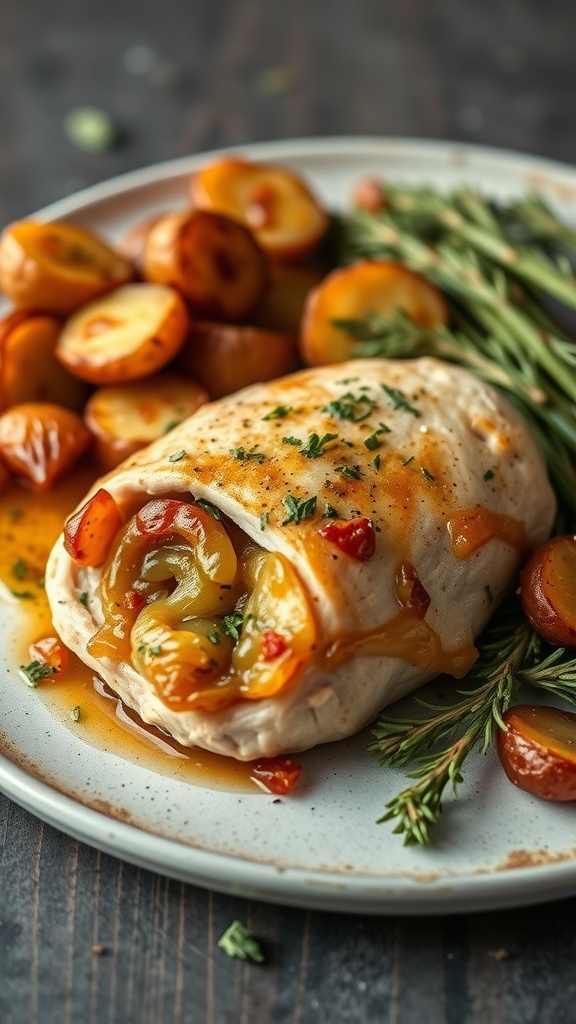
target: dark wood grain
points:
(224, 72)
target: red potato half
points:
(29, 370)
(213, 261)
(274, 201)
(284, 302)
(40, 442)
(548, 591)
(224, 357)
(126, 335)
(56, 267)
(365, 288)
(538, 751)
(126, 417)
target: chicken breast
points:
(396, 498)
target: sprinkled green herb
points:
(489, 474)
(210, 509)
(489, 594)
(264, 520)
(40, 582)
(373, 440)
(399, 400)
(141, 648)
(157, 649)
(36, 671)
(75, 714)
(377, 461)
(242, 454)
(350, 407)
(291, 440)
(213, 636)
(232, 624)
(299, 509)
(170, 426)
(330, 512)
(352, 471)
(278, 413)
(24, 595)
(347, 380)
(176, 456)
(314, 446)
(426, 474)
(19, 569)
(238, 942)
(408, 461)
(83, 598)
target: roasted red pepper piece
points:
(276, 774)
(355, 537)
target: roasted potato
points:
(273, 201)
(212, 260)
(226, 357)
(126, 335)
(126, 417)
(548, 591)
(538, 750)
(56, 267)
(40, 442)
(363, 289)
(29, 370)
(285, 299)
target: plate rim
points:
(372, 894)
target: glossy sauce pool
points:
(29, 525)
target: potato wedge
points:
(212, 260)
(40, 442)
(56, 267)
(226, 357)
(283, 305)
(29, 370)
(365, 288)
(273, 201)
(125, 417)
(126, 335)
(132, 245)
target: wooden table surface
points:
(183, 77)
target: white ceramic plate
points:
(496, 847)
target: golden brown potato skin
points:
(213, 261)
(56, 267)
(227, 357)
(29, 369)
(40, 442)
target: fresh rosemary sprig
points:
(511, 655)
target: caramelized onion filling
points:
(202, 612)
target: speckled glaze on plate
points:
(496, 847)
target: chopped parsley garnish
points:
(232, 624)
(176, 456)
(157, 649)
(75, 714)
(19, 569)
(489, 474)
(242, 454)
(278, 413)
(36, 671)
(264, 520)
(299, 509)
(170, 426)
(350, 407)
(427, 474)
(377, 461)
(210, 509)
(352, 471)
(347, 380)
(399, 400)
(213, 636)
(238, 942)
(23, 594)
(330, 512)
(291, 440)
(408, 461)
(314, 446)
(373, 441)
(83, 598)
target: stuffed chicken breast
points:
(298, 555)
